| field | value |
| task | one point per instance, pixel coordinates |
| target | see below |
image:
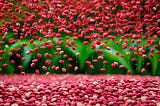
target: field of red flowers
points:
(71, 38)
(79, 90)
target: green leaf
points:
(112, 55)
(10, 68)
(155, 63)
(27, 56)
(84, 50)
(140, 62)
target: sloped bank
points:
(79, 90)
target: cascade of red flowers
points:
(93, 21)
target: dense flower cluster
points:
(74, 36)
(77, 90)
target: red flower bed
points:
(79, 90)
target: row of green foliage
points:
(86, 53)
